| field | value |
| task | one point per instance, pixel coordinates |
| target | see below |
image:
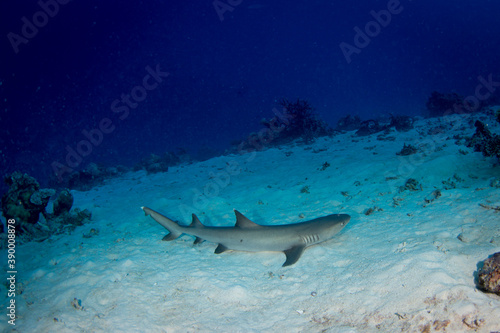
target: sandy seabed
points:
(406, 261)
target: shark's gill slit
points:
(309, 239)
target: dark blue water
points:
(141, 77)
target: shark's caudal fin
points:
(165, 222)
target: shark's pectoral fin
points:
(198, 240)
(293, 254)
(171, 236)
(220, 248)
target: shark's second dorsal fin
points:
(243, 222)
(196, 222)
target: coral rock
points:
(349, 123)
(407, 150)
(369, 127)
(489, 274)
(42, 197)
(402, 123)
(63, 203)
(24, 200)
(440, 104)
(484, 141)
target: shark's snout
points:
(345, 219)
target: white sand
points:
(401, 268)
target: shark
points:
(245, 235)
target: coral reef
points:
(94, 175)
(154, 163)
(371, 210)
(451, 183)
(440, 104)
(488, 277)
(484, 141)
(369, 127)
(298, 121)
(411, 185)
(26, 203)
(63, 203)
(348, 123)
(407, 150)
(401, 123)
(84, 180)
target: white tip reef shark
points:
(246, 235)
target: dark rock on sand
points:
(489, 274)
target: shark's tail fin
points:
(167, 223)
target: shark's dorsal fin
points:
(196, 223)
(243, 222)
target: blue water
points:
(219, 69)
